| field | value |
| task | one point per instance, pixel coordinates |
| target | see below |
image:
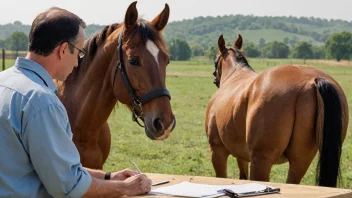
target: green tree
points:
(251, 50)
(197, 50)
(180, 50)
(211, 53)
(276, 49)
(17, 23)
(339, 46)
(293, 41)
(286, 40)
(303, 50)
(2, 43)
(318, 52)
(18, 41)
(261, 42)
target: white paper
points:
(187, 189)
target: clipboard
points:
(268, 190)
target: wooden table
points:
(287, 190)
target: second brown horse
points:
(286, 113)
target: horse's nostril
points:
(158, 125)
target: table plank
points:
(287, 190)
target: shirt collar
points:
(38, 70)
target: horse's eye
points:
(133, 61)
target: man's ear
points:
(62, 49)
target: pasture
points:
(186, 151)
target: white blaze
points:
(153, 49)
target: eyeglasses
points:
(81, 53)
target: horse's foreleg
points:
(91, 156)
(243, 166)
(105, 141)
(219, 156)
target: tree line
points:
(267, 37)
(17, 41)
(338, 46)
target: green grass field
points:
(186, 151)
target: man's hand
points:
(122, 175)
(137, 185)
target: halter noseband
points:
(137, 102)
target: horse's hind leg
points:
(243, 166)
(219, 153)
(260, 169)
(302, 148)
(270, 125)
(219, 156)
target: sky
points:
(104, 12)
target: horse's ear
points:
(131, 15)
(238, 42)
(160, 21)
(221, 44)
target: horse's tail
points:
(328, 133)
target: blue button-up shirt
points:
(37, 155)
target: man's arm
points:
(135, 185)
(118, 185)
(54, 156)
(120, 175)
(98, 174)
(57, 163)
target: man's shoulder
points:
(28, 86)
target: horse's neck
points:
(234, 69)
(90, 98)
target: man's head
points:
(58, 35)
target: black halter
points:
(239, 58)
(137, 102)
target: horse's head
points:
(138, 78)
(224, 58)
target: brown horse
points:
(286, 113)
(127, 63)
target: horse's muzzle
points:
(157, 130)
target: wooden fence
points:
(8, 55)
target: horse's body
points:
(286, 113)
(92, 90)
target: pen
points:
(155, 184)
(230, 193)
(159, 183)
(135, 165)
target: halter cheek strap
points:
(137, 102)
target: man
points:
(38, 157)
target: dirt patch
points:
(332, 62)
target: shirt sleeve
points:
(53, 154)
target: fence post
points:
(3, 59)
